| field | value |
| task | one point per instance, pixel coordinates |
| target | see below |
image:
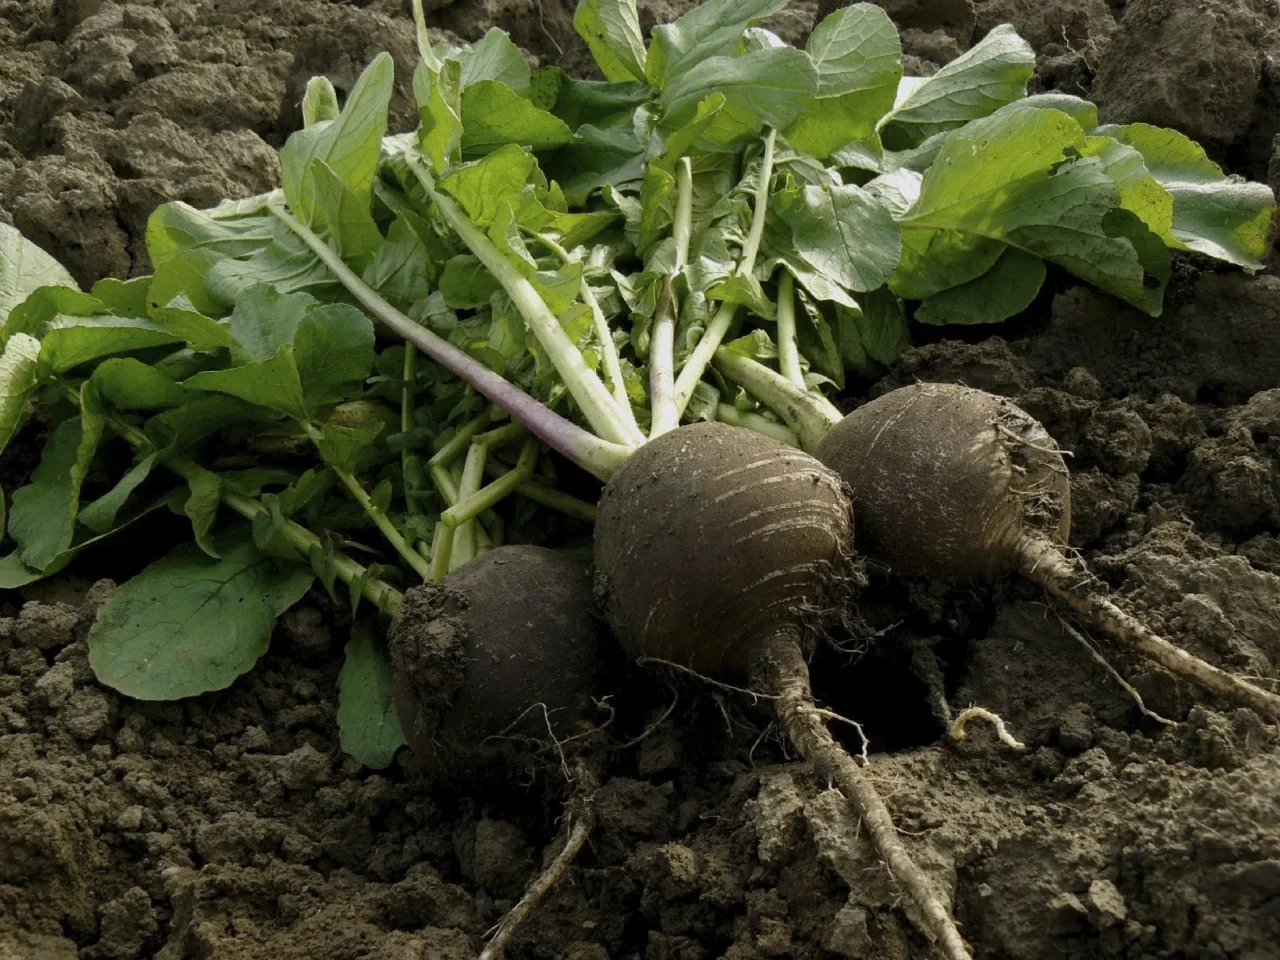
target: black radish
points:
(955, 484)
(715, 547)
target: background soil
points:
(233, 827)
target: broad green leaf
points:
(349, 224)
(18, 376)
(1081, 111)
(817, 341)
(611, 29)
(613, 156)
(127, 383)
(350, 145)
(1002, 292)
(25, 267)
(574, 229)
(180, 317)
(764, 88)
(844, 232)
(189, 624)
(176, 226)
(993, 72)
(1138, 191)
(14, 573)
(743, 290)
(708, 30)
(486, 186)
(492, 57)
(1006, 180)
(32, 315)
(680, 141)
(859, 61)
(186, 275)
(124, 298)
(272, 383)
(494, 115)
(757, 345)
(440, 111)
(201, 507)
(466, 284)
(320, 102)
(100, 515)
(883, 326)
(286, 263)
(347, 448)
(42, 514)
(591, 101)
(1219, 216)
(402, 269)
(265, 320)
(369, 729)
(333, 350)
(68, 342)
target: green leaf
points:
(993, 72)
(466, 284)
(14, 573)
(349, 224)
(1007, 180)
(333, 349)
(181, 319)
(402, 269)
(32, 315)
(198, 418)
(265, 320)
(602, 155)
(485, 187)
(592, 101)
(42, 515)
(186, 274)
(100, 515)
(765, 88)
(25, 267)
(201, 507)
(817, 342)
(1002, 292)
(494, 115)
(859, 61)
(1139, 193)
(1221, 217)
(492, 57)
(272, 383)
(18, 377)
(611, 29)
(176, 226)
(129, 384)
(744, 290)
(347, 448)
(883, 326)
(286, 263)
(757, 345)
(124, 298)
(368, 727)
(440, 133)
(708, 30)
(189, 624)
(350, 145)
(844, 232)
(68, 342)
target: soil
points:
(232, 826)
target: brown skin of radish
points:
(712, 539)
(955, 484)
(713, 545)
(948, 481)
(477, 652)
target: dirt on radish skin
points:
(499, 662)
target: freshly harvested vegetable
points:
(501, 660)
(714, 545)
(958, 485)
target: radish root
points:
(982, 713)
(580, 817)
(1042, 563)
(779, 668)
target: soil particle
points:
(1193, 66)
(1080, 24)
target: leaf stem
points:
(731, 415)
(586, 388)
(665, 413)
(608, 349)
(388, 529)
(788, 348)
(410, 465)
(487, 496)
(596, 456)
(549, 497)
(696, 365)
(809, 414)
(464, 537)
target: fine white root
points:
(982, 713)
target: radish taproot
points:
(714, 545)
(955, 484)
